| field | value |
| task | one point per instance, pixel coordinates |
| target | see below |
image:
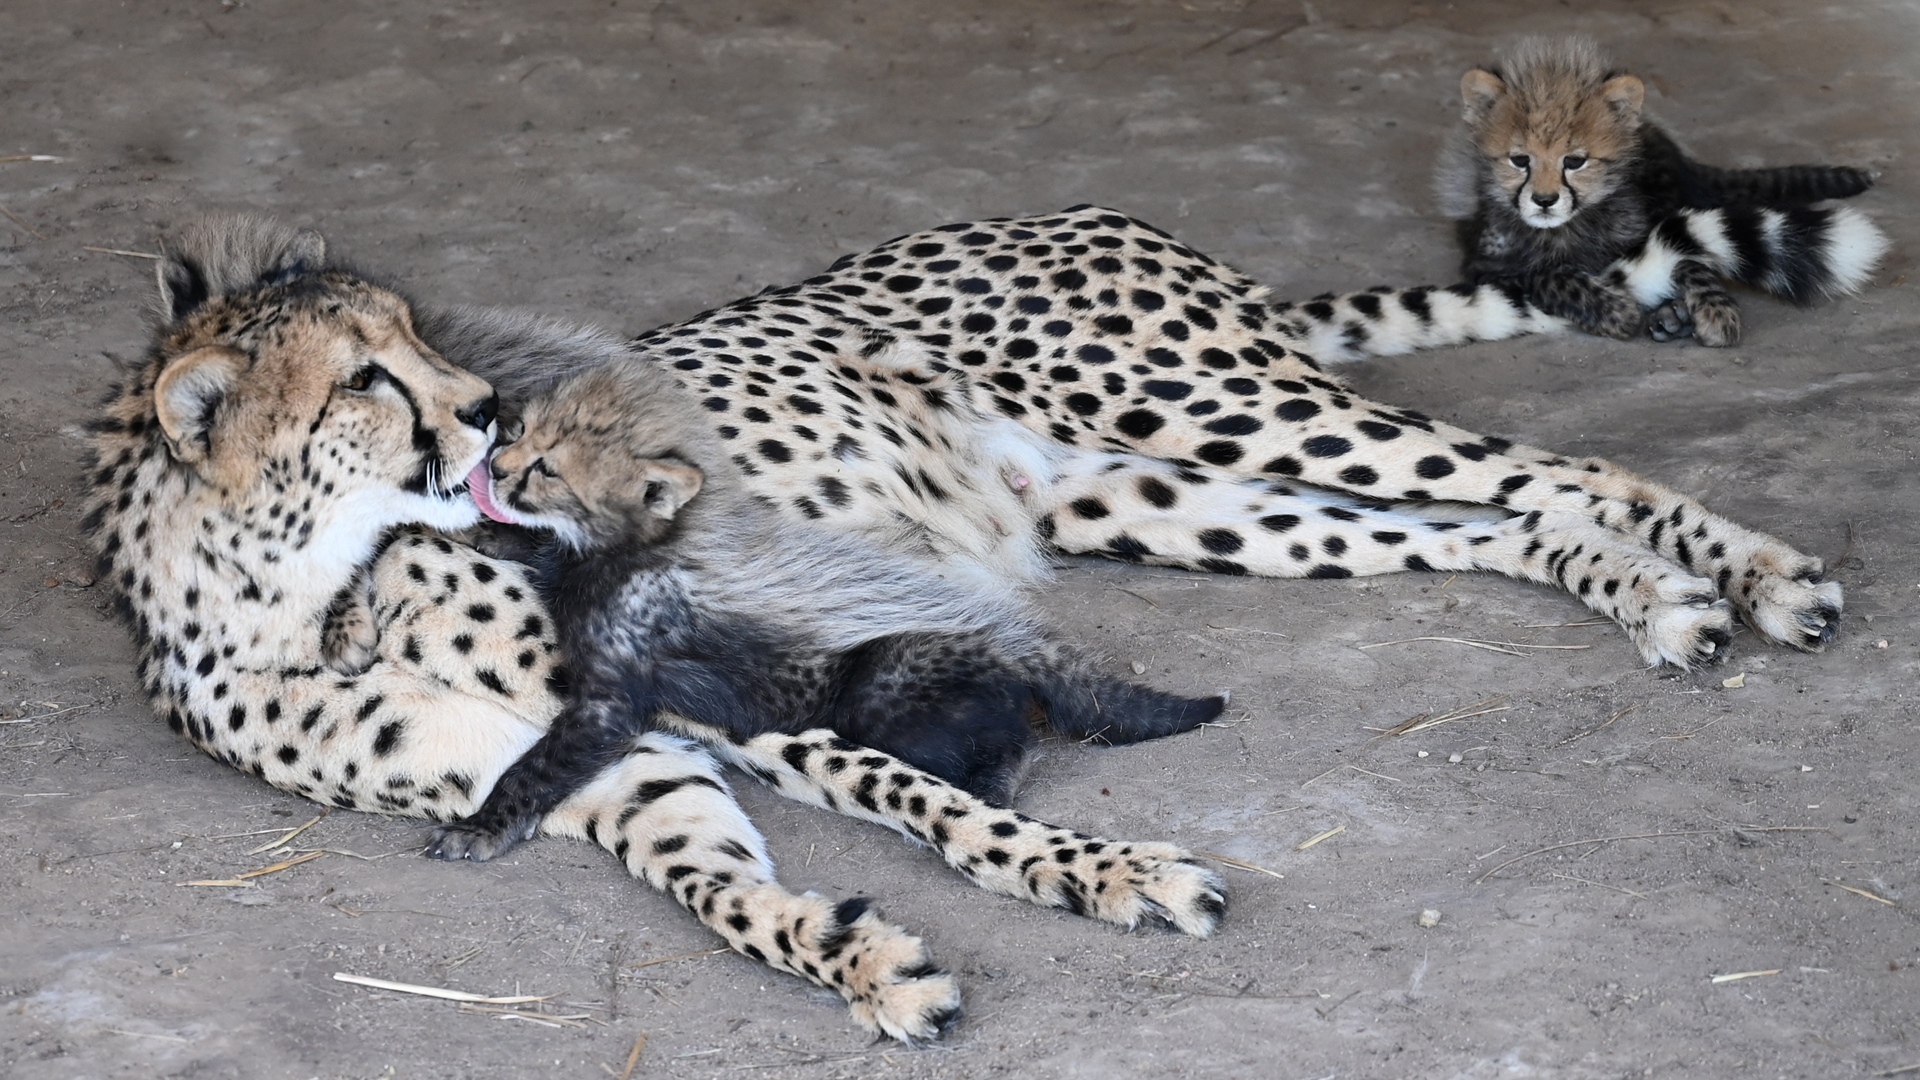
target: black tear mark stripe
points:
(424, 444)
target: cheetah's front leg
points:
(998, 849)
(666, 813)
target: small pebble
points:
(1455, 759)
(1421, 753)
(1139, 668)
(1428, 919)
(1736, 682)
(1881, 644)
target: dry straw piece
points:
(1239, 864)
(552, 1020)
(1509, 648)
(120, 251)
(1329, 834)
(287, 837)
(1738, 975)
(435, 991)
(1423, 721)
(244, 881)
(37, 234)
(639, 1044)
(1859, 892)
(671, 959)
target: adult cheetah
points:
(1084, 383)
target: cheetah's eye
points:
(540, 466)
(1574, 162)
(360, 379)
(1519, 161)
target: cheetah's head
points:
(276, 372)
(1556, 126)
(599, 462)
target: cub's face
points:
(582, 471)
(322, 391)
(1553, 149)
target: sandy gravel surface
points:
(632, 163)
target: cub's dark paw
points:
(479, 841)
(1670, 321)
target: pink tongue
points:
(480, 486)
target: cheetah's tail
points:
(1096, 708)
(1383, 321)
(1782, 186)
(1796, 254)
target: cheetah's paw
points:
(480, 837)
(1669, 321)
(349, 642)
(1687, 635)
(1153, 884)
(1616, 314)
(1716, 320)
(1802, 612)
(891, 985)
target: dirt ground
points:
(631, 163)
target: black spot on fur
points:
(1139, 423)
(387, 739)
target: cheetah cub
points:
(1566, 191)
(683, 603)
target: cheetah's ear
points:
(306, 253)
(1479, 91)
(187, 394)
(183, 286)
(1624, 94)
(668, 485)
(224, 256)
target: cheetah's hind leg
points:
(667, 814)
(1000, 850)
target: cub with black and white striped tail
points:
(1568, 194)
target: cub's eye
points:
(540, 466)
(1519, 161)
(511, 430)
(1574, 162)
(360, 379)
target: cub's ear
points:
(668, 485)
(1624, 94)
(189, 391)
(1479, 92)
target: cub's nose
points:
(1546, 201)
(480, 413)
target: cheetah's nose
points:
(480, 414)
(1545, 201)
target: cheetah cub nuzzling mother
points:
(682, 603)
